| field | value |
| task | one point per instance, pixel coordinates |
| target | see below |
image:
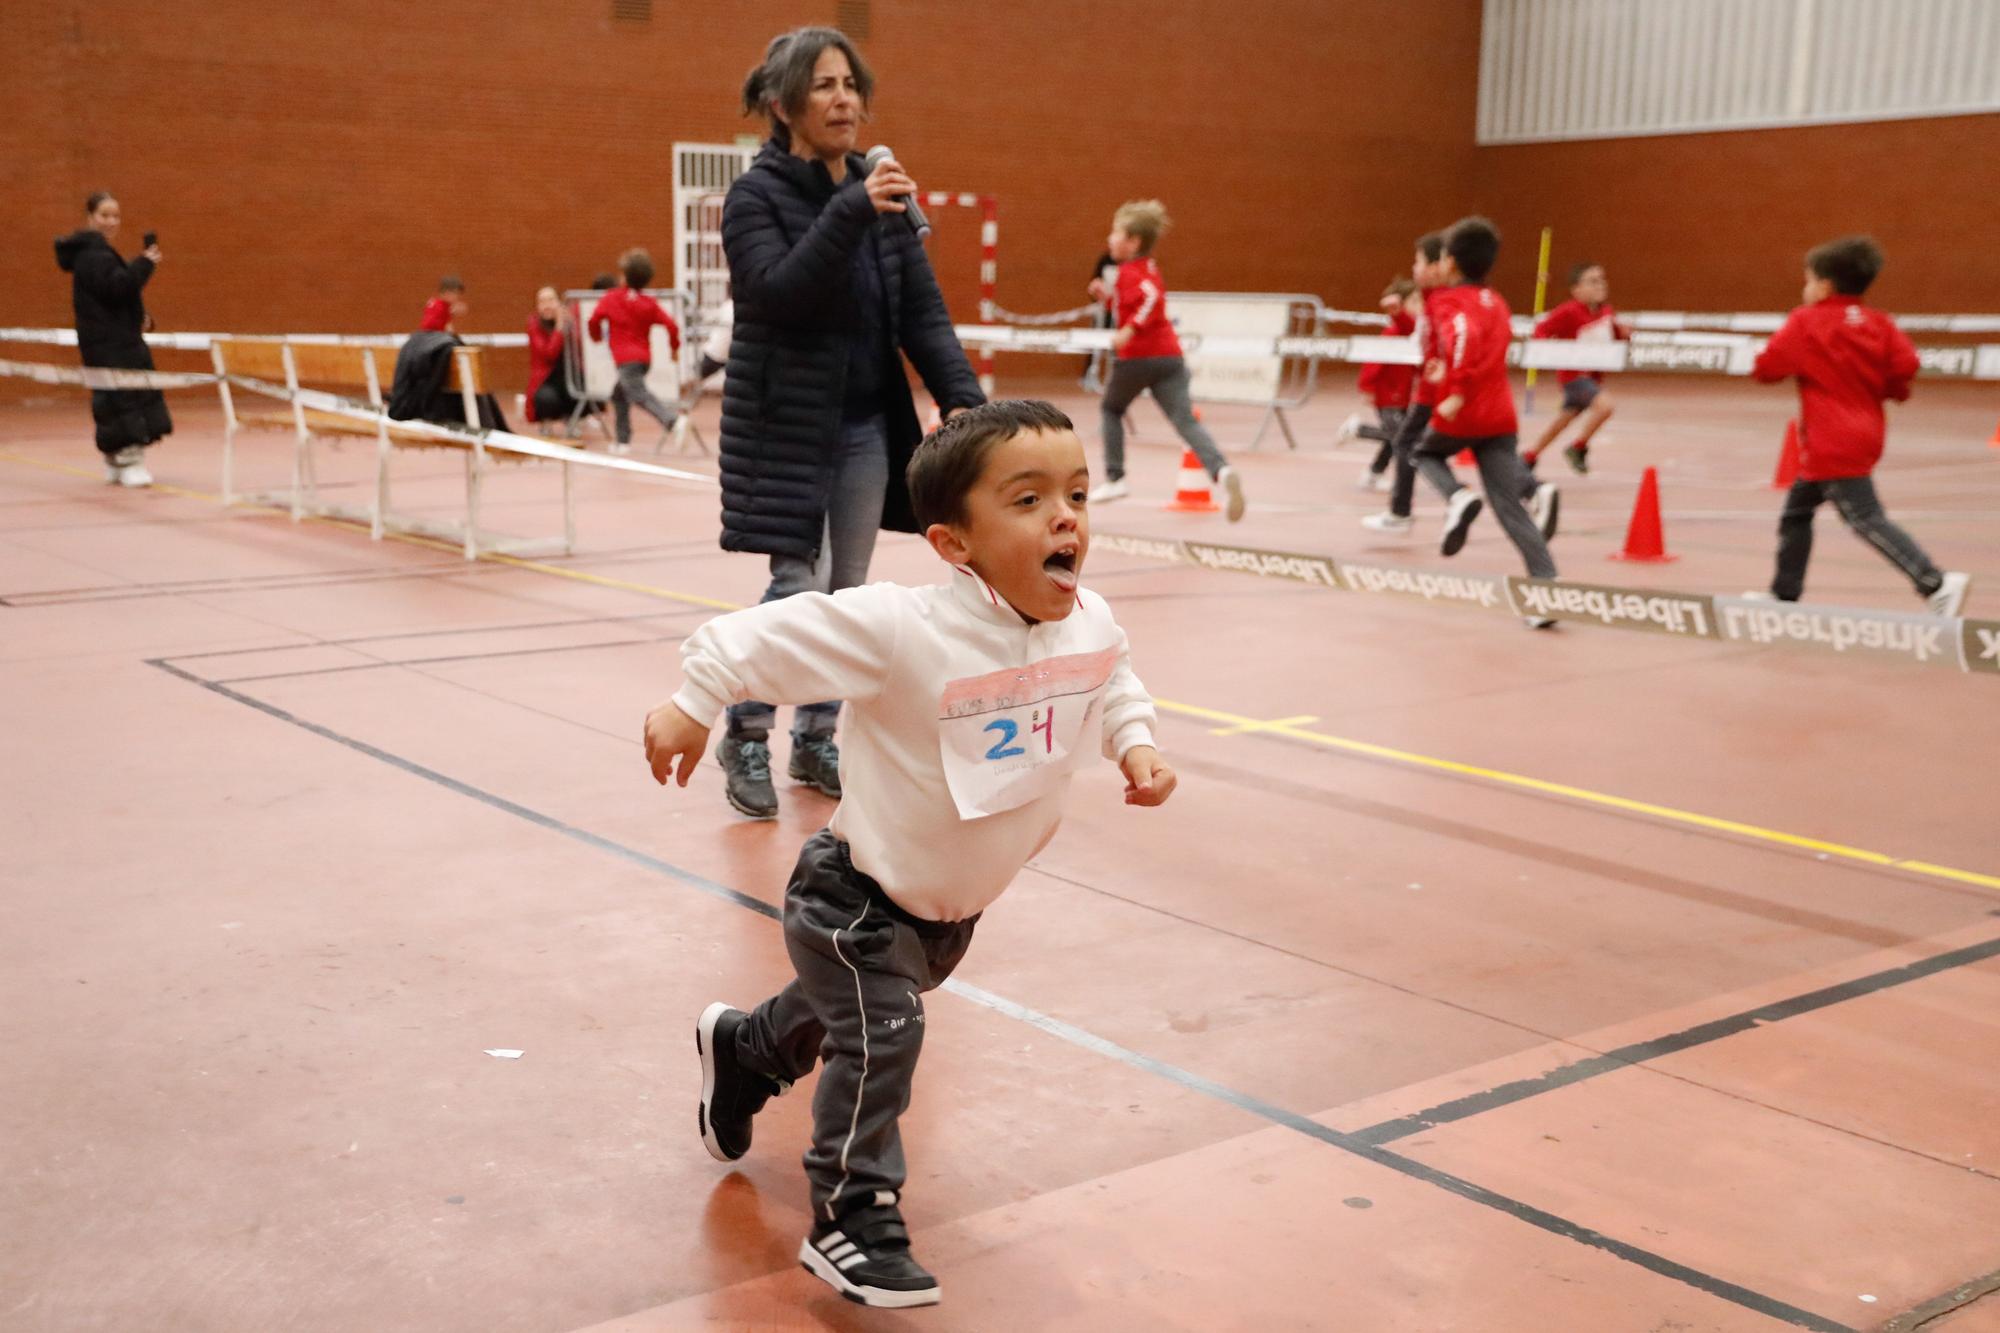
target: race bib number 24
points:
(1010, 736)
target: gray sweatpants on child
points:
(1171, 385)
(863, 963)
(632, 391)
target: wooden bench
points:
(343, 369)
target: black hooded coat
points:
(110, 332)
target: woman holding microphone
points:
(832, 289)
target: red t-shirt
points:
(1474, 329)
(632, 316)
(1390, 385)
(1139, 302)
(1573, 319)
(1847, 358)
(1426, 393)
(437, 315)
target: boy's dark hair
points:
(784, 79)
(1431, 246)
(1400, 289)
(1473, 244)
(1849, 263)
(1576, 271)
(604, 282)
(947, 464)
(637, 266)
(451, 283)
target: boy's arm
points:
(1128, 734)
(1459, 342)
(1556, 324)
(1903, 364)
(798, 650)
(661, 317)
(1780, 358)
(598, 315)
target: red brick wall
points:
(318, 174)
(1723, 221)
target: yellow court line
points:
(1584, 794)
(1236, 723)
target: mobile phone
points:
(152, 239)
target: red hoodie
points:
(1847, 358)
(1575, 320)
(632, 316)
(545, 349)
(1427, 394)
(1139, 302)
(437, 315)
(1474, 328)
(1390, 385)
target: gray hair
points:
(784, 79)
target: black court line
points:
(1638, 1053)
(1708, 1283)
(385, 663)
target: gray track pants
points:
(862, 964)
(1506, 481)
(1856, 500)
(632, 390)
(1168, 378)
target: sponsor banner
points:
(1958, 363)
(1699, 358)
(1981, 645)
(1903, 635)
(1688, 615)
(1318, 570)
(1482, 590)
(1151, 548)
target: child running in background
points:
(631, 315)
(1847, 358)
(1387, 387)
(1148, 356)
(1476, 408)
(1424, 272)
(1586, 317)
(443, 311)
(975, 703)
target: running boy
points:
(974, 704)
(443, 311)
(1476, 405)
(1847, 358)
(1148, 356)
(1424, 271)
(1387, 387)
(1586, 317)
(631, 315)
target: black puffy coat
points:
(790, 235)
(111, 332)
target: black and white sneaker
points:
(1458, 515)
(1545, 507)
(730, 1094)
(1949, 599)
(865, 1256)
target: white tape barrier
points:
(97, 377)
(1693, 353)
(200, 342)
(1674, 321)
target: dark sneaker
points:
(865, 1256)
(730, 1094)
(746, 771)
(816, 762)
(1463, 507)
(1578, 458)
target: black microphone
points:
(919, 224)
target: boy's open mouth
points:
(1061, 568)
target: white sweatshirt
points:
(965, 724)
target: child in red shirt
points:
(1148, 357)
(1424, 272)
(1387, 387)
(631, 315)
(1476, 405)
(443, 311)
(1847, 358)
(1586, 317)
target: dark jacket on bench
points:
(423, 368)
(790, 235)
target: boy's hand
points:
(672, 734)
(1449, 408)
(1123, 336)
(1148, 780)
(1434, 370)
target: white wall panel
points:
(1586, 69)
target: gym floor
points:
(1364, 1031)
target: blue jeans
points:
(853, 517)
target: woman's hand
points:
(152, 252)
(670, 735)
(885, 183)
(1148, 780)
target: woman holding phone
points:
(111, 327)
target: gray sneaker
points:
(746, 770)
(816, 762)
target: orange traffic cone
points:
(1192, 496)
(1994, 443)
(1464, 458)
(1644, 540)
(1788, 459)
